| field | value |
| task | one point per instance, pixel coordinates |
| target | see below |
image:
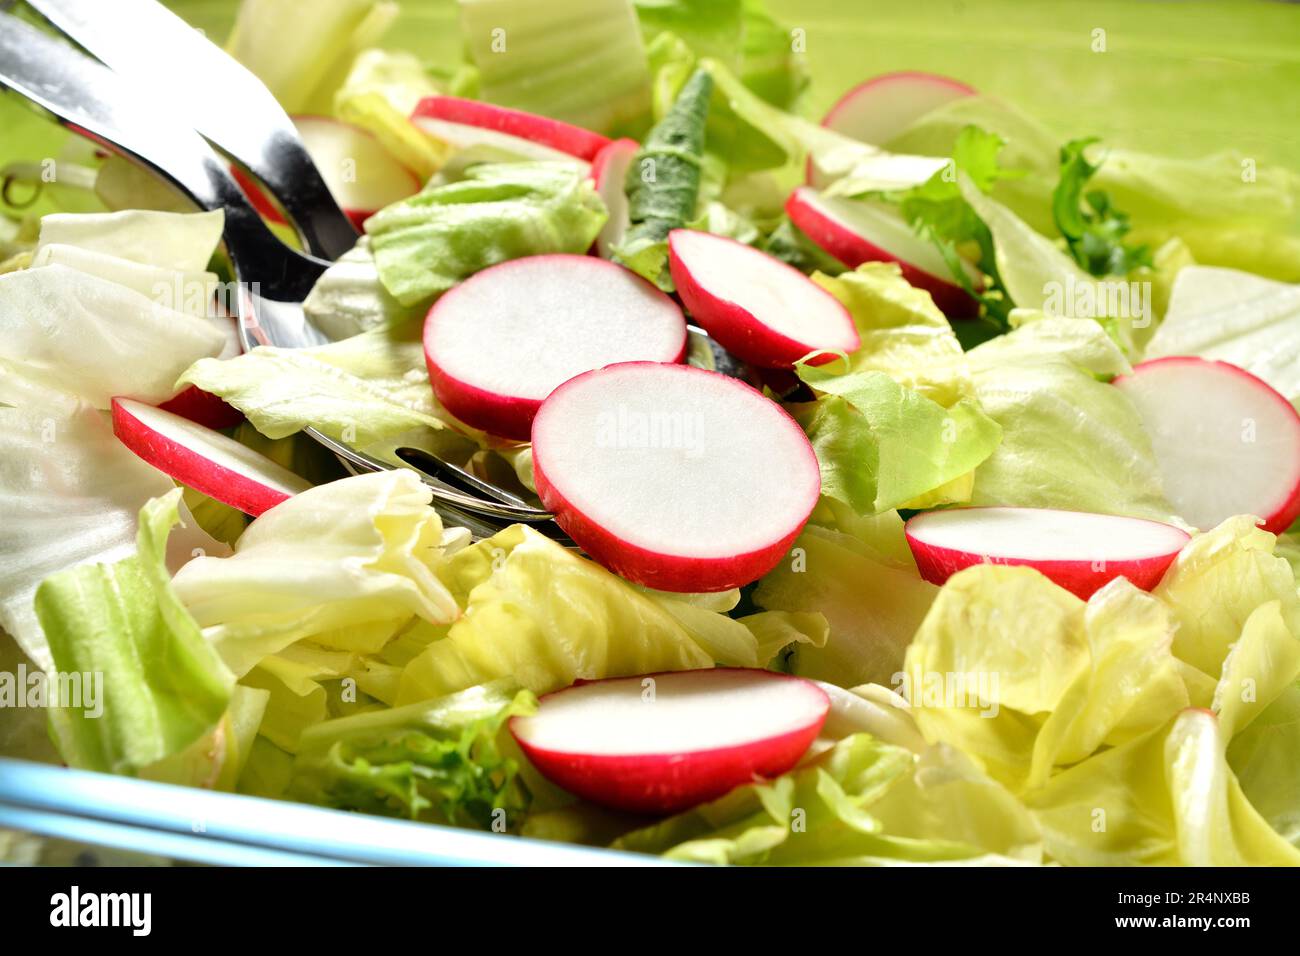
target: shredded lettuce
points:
(443, 760)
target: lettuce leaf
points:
(181, 242)
(426, 244)
(70, 493)
(304, 74)
(1039, 384)
(664, 181)
(542, 615)
(339, 556)
(379, 94)
(163, 686)
(862, 803)
(442, 760)
(361, 390)
(95, 338)
(881, 445)
(865, 585)
(581, 62)
(903, 333)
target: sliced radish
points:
(755, 306)
(662, 743)
(490, 132)
(674, 477)
(504, 339)
(362, 176)
(1227, 443)
(203, 407)
(609, 170)
(1079, 551)
(206, 460)
(879, 109)
(855, 231)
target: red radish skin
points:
(1272, 417)
(669, 782)
(738, 329)
(694, 565)
(1081, 576)
(841, 240)
(203, 407)
(566, 138)
(609, 172)
(221, 468)
(877, 110)
(510, 414)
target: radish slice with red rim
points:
(1227, 443)
(661, 743)
(609, 171)
(857, 231)
(1078, 550)
(754, 305)
(496, 133)
(502, 340)
(879, 109)
(204, 459)
(674, 477)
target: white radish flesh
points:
(203, 459)
(663, 742)
(504, 339)
(754, 305)
(674, 477)
(1226, 442)
(1078, 550)
(881, 108)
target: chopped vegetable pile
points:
(925, 489)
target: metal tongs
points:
(115, 109)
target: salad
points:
(925, 487)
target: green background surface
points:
(1182, 77)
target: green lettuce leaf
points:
(443, 761)
(1093, 227)
(379, 94)
(355, 553)
(1039, 384)
(163, 686)
(861, 803)
(363, 390)
(304, 74)
(881, 445)
(903, 333)
(864, 582)
(542, 615)
(580, 61)
(426, 244)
